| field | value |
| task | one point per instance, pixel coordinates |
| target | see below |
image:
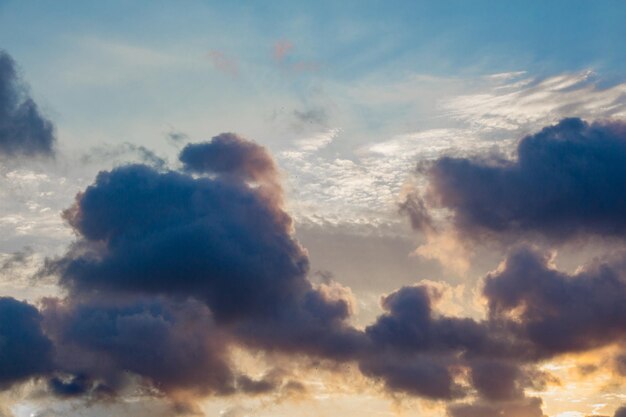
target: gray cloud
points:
(175, 346)
(230, 154)
(169, 240)
(25, 351)
(557, 312)
(170, 270)
(566, 181)
(23, 129)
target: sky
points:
(284, 208)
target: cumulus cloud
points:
(195, 264)
(175, 346)
(23, 129)
(555, 311)
(25, 351)
(423, 376)
(149, 232)
(229, 154)
(565, 181)
(417, 351)
(171, 269)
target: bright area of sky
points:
(348, 97)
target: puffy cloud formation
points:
(230, 154)
(146, 232)
(23, 129)
(566, 180)
(171, 269)
(168, 270)
(535, 313)
(214, 257)
(25, 351)
(175, 346)
(420, 352)
(557, 312)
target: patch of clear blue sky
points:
(357, 37)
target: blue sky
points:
(448, 37)
(78, 53)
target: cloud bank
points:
(171, 270)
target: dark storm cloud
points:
(23, 129)
(424, 376)
(567, 180)
(197, 264)
(417, 351)
(217, 241)
(535, 313)
(146, 232)
(410, 325)
(496, 380)
(174, 346)
(554, 311)
(314, 325)
(25, 351)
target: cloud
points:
(200, 259)
(173, 345)
(24, 131)
(172, 269)
(496, 380)
(230, 154)
(25, 350)
(530, 407)
(409, 324)
(426, 376)
(566, 181)
(417, 351)
(142, 230)
(516, 102)
(557, 312)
